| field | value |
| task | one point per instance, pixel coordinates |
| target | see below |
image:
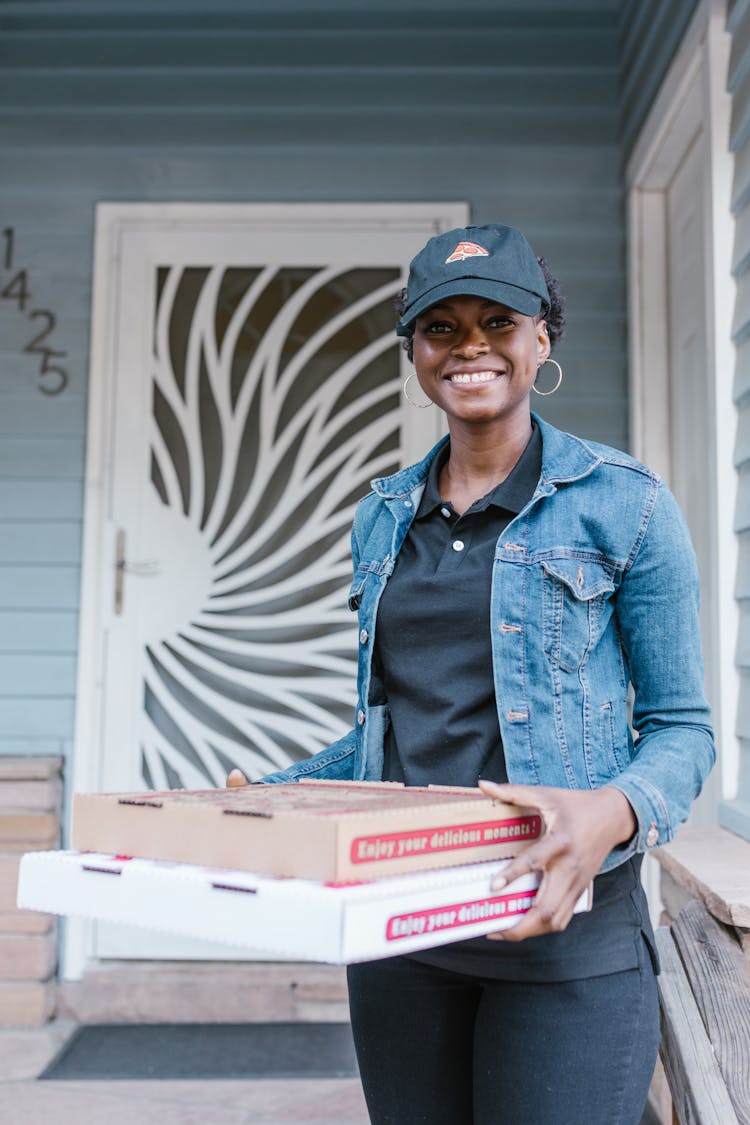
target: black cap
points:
(495, 262)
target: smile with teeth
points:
(474, 376)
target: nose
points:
(471, 344)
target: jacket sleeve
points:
(334, 762)
(657, 609)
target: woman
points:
(510, 587)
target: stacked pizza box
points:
(322, 871)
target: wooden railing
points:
(704, 989)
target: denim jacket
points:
(594, 587)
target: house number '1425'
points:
(53, 379)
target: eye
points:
(500, 322)
(437, 327)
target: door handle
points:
(144, 569)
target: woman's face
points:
(478, 360)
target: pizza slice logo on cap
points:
(467, 250)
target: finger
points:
(533, 924)
(551, 912)
(536, 797)
(540, 919)
(535, 857)
(515, 870)
(529, 795)
(235, 779)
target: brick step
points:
(29, 769)
(186, 992)
(26, 1003)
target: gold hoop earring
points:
(419, 405)
(559, 378)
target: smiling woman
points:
(478, 360)
(510, 587)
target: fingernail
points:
(498, 883)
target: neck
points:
(480, 458)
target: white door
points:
(245, 387)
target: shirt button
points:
(446, 512)
(457, 544)
(360, 718)
(407, 503)
(363, 636)
(652, 836)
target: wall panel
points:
(43, 631)
(509, 104)
(739, 26)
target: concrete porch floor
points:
(25, 1101)
(24, 1053)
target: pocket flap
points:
(584, 578)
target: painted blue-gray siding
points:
(510, 105)
(737, 814)
(650, 35)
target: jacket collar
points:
(564, 458)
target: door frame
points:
(693, 97)
(114, 221)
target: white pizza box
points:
(294, 918)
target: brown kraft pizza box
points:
(328, 831)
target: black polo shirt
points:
(433, 650)
(433, 637)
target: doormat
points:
(205, 1051)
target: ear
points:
(543, 345)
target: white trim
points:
(658, 138)
(721, 223)
(693, 99)
(217, 221)
(647, 332)
(76, 945)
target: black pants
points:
(441, 1048)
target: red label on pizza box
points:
(430, 841)
(458, 914)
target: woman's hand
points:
(236, 778)
(581, 828)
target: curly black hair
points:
(554, 315)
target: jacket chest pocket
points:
(575, 593)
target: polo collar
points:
(565, 458)
(512, 494)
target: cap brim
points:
(502, 293)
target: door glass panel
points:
(274, 400)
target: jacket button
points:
(360, 718)
(652, 836)
(457, 544)
(363, 636)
